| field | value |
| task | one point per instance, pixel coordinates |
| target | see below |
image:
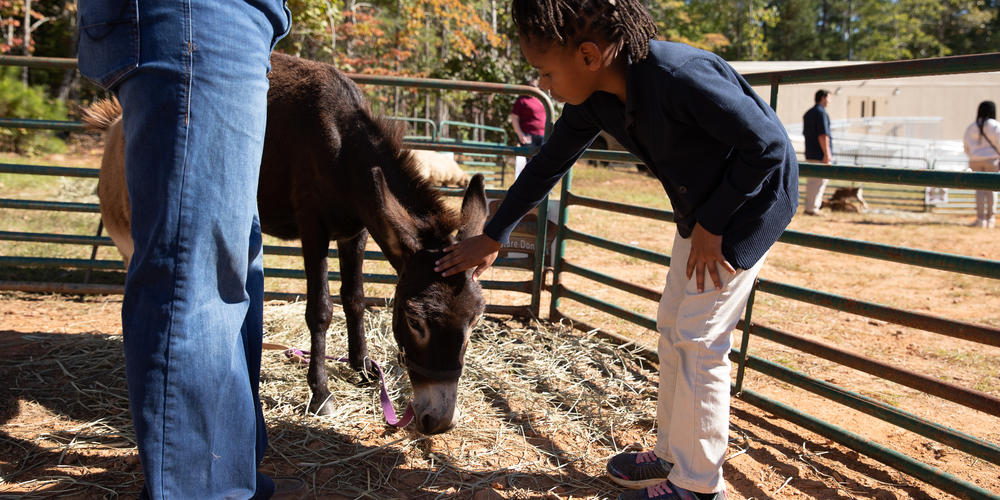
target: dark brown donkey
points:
(332, 171)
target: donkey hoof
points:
(322, 408)
(366, 370)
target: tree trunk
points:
(68, 82)
(27, 39)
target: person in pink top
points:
(528, 118)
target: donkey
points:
(332, 171)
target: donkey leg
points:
(352, 294)
(318, 314)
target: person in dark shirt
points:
(819, 148)
(730, 172)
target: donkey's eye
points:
(414, 324)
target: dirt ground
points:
(67, 435)
(58, 442)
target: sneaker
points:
(288, 488)
(668, 491)
(638, 470)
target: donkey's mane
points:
(421, 196)
(101, 114)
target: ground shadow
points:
(848, 459)
(71, 387)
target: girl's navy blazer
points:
(719, 150)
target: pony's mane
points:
(421, 196)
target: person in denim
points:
(730, 172)
(192, 80)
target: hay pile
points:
(541, 411)
(542, 408)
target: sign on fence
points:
(522, 239)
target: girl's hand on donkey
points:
(479, 252)
(706, 253)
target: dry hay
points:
(542, 408)
(541, 411)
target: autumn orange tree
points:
(451, 39)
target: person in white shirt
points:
(982, 145)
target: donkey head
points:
(432, 315)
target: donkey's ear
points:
(473, 208)
(397, 227)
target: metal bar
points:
(646, 293)
(873, 71)
(561, 235)
(622, 248)
(75, 288)
(465, 147)
(54, 262)
(888, 456)
(612, 206)
(600, 305)
(541, 245)
(38, 62)
(59, 206)
(988, 181)
(94, 248)
(903, 255)
(774, 94)
(64, 288)
(957, 329)
(967, 397)
(72, 239)
(942, 434)
(43, 124)
(745, 343)
(17, 168)
(437, 83)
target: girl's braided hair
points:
(624, 23)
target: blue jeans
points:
(192, 79)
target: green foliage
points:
(793, 37)
(18, 101)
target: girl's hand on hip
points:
(706, 253)
(479, 252)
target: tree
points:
(893, 30)
(741, 22)
(795, 34)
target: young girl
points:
(730, 173)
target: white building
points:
(914, 122)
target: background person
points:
(730, 173)
(982, 140)
(528, 118)
(192, 81)
(819, 148)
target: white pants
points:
(692, 410)
(985, 200)
(814, 193)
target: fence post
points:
(744, 344)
